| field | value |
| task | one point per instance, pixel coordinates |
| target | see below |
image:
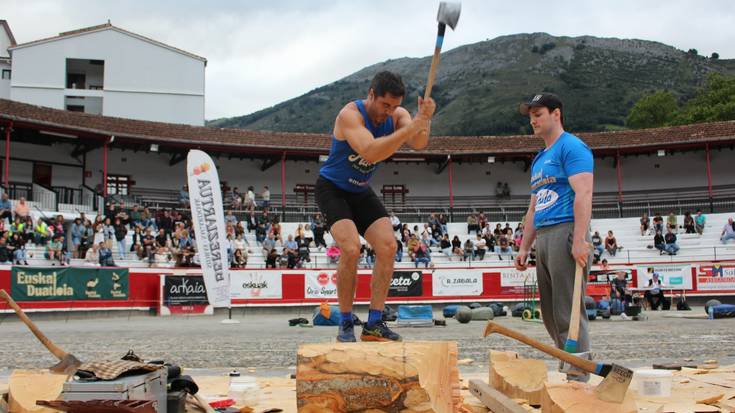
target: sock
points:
(374, 316)
(347, 316)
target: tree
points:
(715, 56)
(692, 52)
(714, 102)
(653, 110)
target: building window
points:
(6, 74)
(118, 184)
(85, 74)
(75, 108)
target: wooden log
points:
(407, 377)
(575, 397)
(516, 377)
(27, 386)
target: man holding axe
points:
(558, 220)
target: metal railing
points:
(46, 197)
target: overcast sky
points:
(263, 52)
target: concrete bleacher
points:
(635, 247)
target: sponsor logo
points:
(201, 168)
(322, 278)
(360, 164)
(545, 198)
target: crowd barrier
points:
(169, 291)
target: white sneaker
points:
(624, 316)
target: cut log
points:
(27, 386)
(378, 377)
(575, 397)
(516, 377)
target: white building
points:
(6, 40)
(110, 71)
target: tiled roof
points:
(100, 27)
(244, 140)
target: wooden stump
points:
(27, 386)
(516, 377)
(407, 377)
(575, 397)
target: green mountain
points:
(479, 86)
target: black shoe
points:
(378, 332)
(346, 333)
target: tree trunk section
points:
(516, 377)
(575, 397)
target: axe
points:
(67, 364)
(448, 15)
(616, 378)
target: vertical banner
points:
(209, 226)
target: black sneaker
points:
(378, 332)
(346, 333)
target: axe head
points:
(615, 384)
(68, 365)
(449, 13)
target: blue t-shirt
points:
(550, 172)
(344, 167)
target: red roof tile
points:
(248, 140)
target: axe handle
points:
(571, 345)
(435, 60)
(586, 365)
(59, 353)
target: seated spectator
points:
(77, 228)
(148, 219)
(291, 251)
(105, 255)
(239, 260)
(421, 254)
(271, 258)
(433, 221)
(276, 229)
(604, 266)
(670, 242)
(235, 199)
(645, 224)
(728, 231)
(268, 244)
(619, 289)
(369, 255)
(443, 224)
(655, 294)
(428, 240)
(469, 250)
(303, 250)
(689, 223)
(5, 208)
(457, 247)
(318, 226)
(41, 232)
(481, 220)
(308, 235)
(91, 257)
(518, 237)
(230, 218)
(399, 250)
(17, 244)
(598, 248)
(333, 253)
(472, 223)
(149, 245)
(411, 247)
(499, 190)
(87, 238)
(699, 222)
(446, 246)
(162, 257)
(503, 247)
(480, 244)
(184, 197)
(611, 244)
(658, 223)
(659, 242)
(252, 221)
(135, 216)
(5, 252)
(405, 233)
(121, 233)
(22, 209)
(671, 221)
(53, 251)
(506, 191)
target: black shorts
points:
(362, 208)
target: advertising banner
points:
(253, 285)
(454, 283)
(184, 290)
(671, 275)
(406, 284)
(320, 284)
(61, 284)
(510, 277)
(715, 277)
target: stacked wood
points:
(407, 377)
(575, 397)
(27, 386)
(516, 377)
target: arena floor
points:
(265, 345)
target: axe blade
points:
(615, 384)
(68, 365)
(449, 13)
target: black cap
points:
(547, 100)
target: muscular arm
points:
(420, 139)
(529, 230)
(581, 184)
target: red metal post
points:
(7, 156)
(709, 171)
(620, 177)
(451, 191)
(283, 184)
(104, 170)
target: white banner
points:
(716, 277)
(255, 284)
(510, 277)
(320, 284)
(209, 226)
(455, 283)
(671, 275)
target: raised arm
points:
(421, 139)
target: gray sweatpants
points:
(555, 268)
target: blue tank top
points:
(344, 167)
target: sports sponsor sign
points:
(63, 284)
(715, 277)
(606, 276)
(184, 290)
(320, 284)
(253, 285)
(510, 277)
(406, 284)
(671, 275)
(208, 218)
(456, 283)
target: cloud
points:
(261, 53)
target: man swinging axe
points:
(558, 219)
